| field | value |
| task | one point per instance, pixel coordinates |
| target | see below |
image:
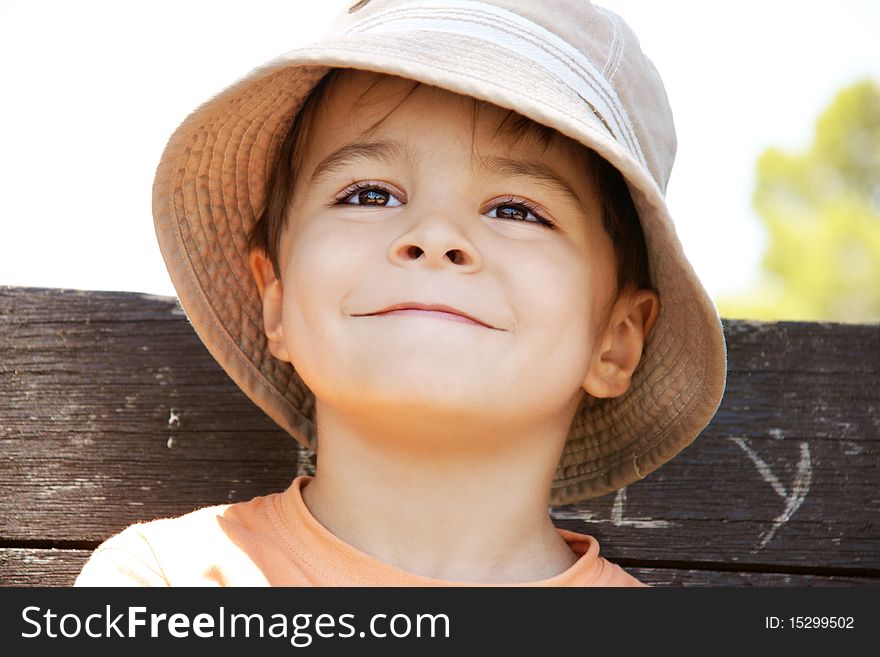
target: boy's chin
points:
(439, 402)
(434, 395)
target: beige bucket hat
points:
(567, 64)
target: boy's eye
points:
(370, 194)
(379, 195)
(518, 210)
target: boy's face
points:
(433, 207)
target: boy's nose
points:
(436, 242)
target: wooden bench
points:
(112, 411)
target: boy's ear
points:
(272, 296)
(619, 349)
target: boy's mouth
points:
(440, 311)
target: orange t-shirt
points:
(275, 541)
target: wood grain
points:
(58, 567)
(112, 411)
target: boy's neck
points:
(442, 499)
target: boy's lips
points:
(438, 310)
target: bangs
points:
(521, 128)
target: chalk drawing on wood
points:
(794, 498)
(616, 518)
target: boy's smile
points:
(434, 261)
(426, 311)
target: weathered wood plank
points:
(40, 567)
(52, 567)
(112, 411)
(787, 472)
(673, 577)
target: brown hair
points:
(619, 216)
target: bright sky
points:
(93, 89)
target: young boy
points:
(434, 248)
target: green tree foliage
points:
(821, 208)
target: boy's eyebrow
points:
(382, 150)
(506, 166)
(388, 150)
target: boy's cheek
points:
(560, 309)
(315, 287)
